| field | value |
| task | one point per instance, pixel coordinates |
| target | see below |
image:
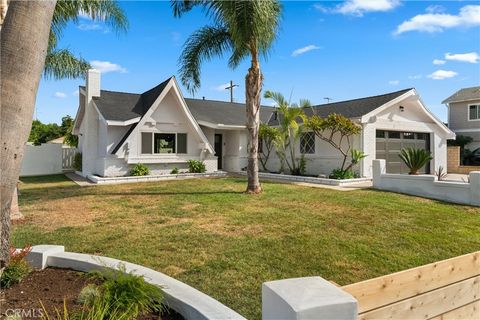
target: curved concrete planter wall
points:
(188, 301)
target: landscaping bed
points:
(311, 179)
(55, 289)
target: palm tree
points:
(26, 52)
(290, 114)
(244, 29)
(23, 52)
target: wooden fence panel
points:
(467, 312)
(431, 304)
(381, 291)
(67, 157)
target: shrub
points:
(140, 170)
(77, 161)
(441, 174)
(340, 174)
(125, 293)
(303, 165)
(17, 269)
(195, 166)
(415, 159)
(174, 171)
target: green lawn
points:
(210, 235)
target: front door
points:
(218, 150)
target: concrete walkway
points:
(356, 186)
(457, 177)
(81, 181)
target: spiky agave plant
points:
(415, 159)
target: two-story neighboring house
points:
(464, 114)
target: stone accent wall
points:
(453, 162)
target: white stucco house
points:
(162, 129)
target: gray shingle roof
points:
(221, 112)
(122, 106)
(350, 108)
(465, 94)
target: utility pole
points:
(231, 89)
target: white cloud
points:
(394, 82)
(89, 26)
(471, 57)
(435, 8)
(221, 87)
(415, 77)
(442, 74)
(438, 62)
(107, 66)
(303, 50)
(468, 16)
(60, 95)
(359, 7)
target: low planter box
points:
(189, 302)
(149, 178)
(314, 180)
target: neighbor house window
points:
(156, 143)
(474, 112)
(307, 143)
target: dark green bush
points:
(340, 174)
(195, 166)
(140, 170)
(77, 161)
(174, 171)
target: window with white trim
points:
(159, 143)
(474, 112)
(307, 143)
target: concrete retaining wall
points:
(149, 178)
(428, 186)
(188, 301)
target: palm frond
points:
(202, 46)
(99, 10)
(60, 64)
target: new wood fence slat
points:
(470, 311)
(381, 291)
(431, 304)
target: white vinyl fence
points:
(428, 186)
(45, 159)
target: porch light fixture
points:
(401, 108)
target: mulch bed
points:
(54, 288)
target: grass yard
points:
(210, 235)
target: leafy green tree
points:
(290, 116)
(244, 29)
(67, 131)
(268, 137)
(42, 133)
(337, 130)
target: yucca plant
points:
(415, 159)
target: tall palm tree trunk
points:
(253, 89)
(24, 41)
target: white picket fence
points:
(48, 158)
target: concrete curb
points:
(188, 301)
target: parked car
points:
(474, 158)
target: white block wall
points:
(42, 160)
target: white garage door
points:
(390, 143)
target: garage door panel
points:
(390, 143)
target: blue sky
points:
(341, 50)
